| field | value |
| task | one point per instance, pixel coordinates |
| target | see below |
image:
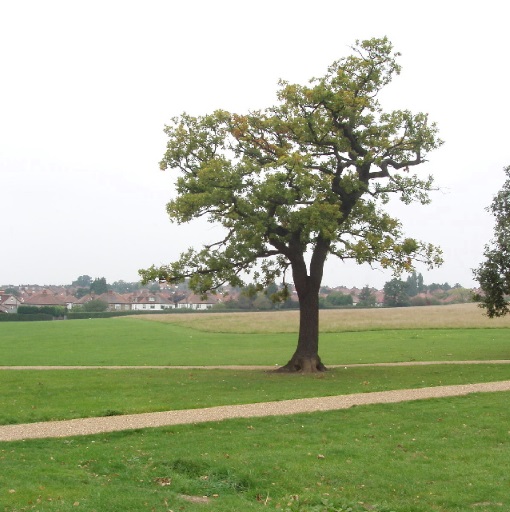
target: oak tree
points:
(301, 181)
(493, 274)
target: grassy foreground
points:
(444, 455)
(448, 455)
(31, 396)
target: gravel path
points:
(158, 419)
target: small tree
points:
(124, 287)
(339, 299)
(395, 294)
(301, 181)
(420, 284)
(82, 281)
(99, 286)
(81, 292)
(494, 273)
(12, 290)
(412, 285)
(366, 298)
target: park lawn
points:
(134, 341)
(448, 455)
(30, 396)
(436, 455)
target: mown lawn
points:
(133, 341)
(448, 455)
(30, 396)
(443, 455)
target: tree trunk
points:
(306, 357)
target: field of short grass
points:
(30, 396)
(182, 339)
(444, 455)
(447, 455)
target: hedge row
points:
(108, 314)
(47, 310)
(26, 317)
(170, 311)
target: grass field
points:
(446, 455)
(463, 316)
(181, 339)
(439, 455)
(31, 396)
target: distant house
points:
(84, 299)
(115, 301)
(9, 303)
(47, 298)
(197, 302)
(151, 302)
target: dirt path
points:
(158, 419)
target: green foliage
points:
(98, 286)
(494, 273)
(310, 174)
(11, 290)
(424, 301)
(125, 287)
(414, 284)
(338, 299)
(22, 309)
(81, 292)
(79, 314)
(94, 306)
(366, 298)
(438, 286)
(82, 281)
(25, 317)
(55, 311)
(395, 294)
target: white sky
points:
(86, 88)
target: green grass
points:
(30, 396)
(130, 341)
(444, 455)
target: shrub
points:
(25, 317)
(54, 311)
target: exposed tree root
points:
(303, 364)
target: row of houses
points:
(144, 301)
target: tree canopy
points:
(366, 298)
(396, 294)
(494, 273)
(98, 286)
(82, 281)
(300, 181)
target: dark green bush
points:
(25, 317)
(57, 311)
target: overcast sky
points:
(87, 87)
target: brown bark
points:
(306, 357)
